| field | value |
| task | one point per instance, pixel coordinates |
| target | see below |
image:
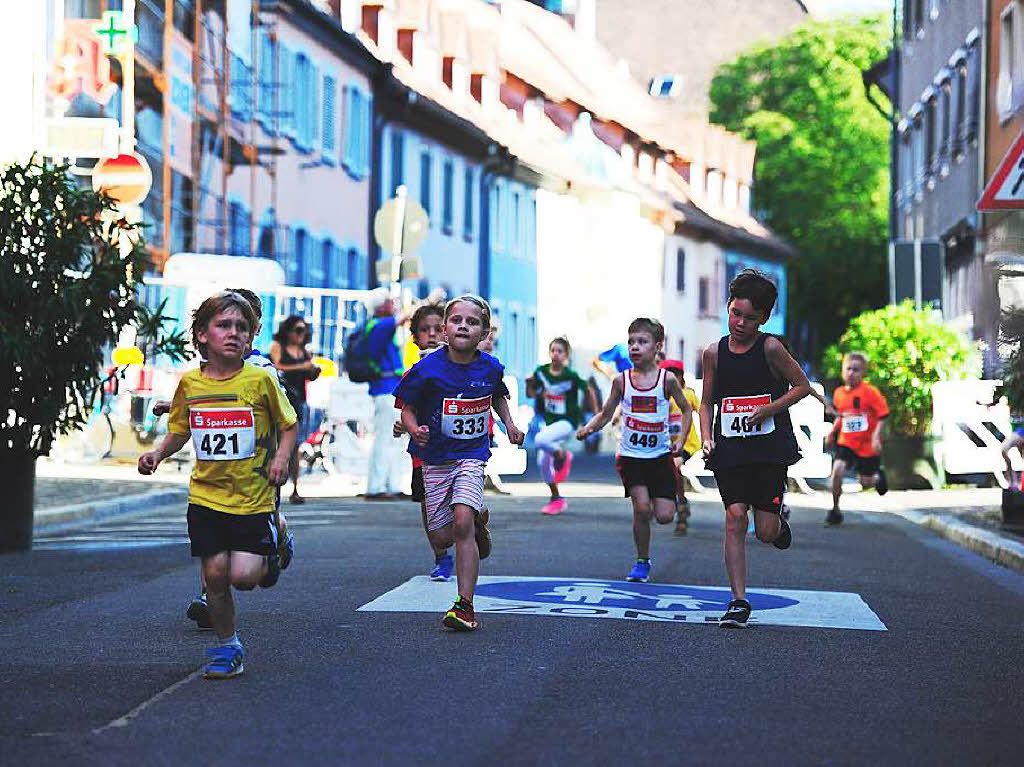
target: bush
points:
(908, 351)
(69, 270)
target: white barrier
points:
(810, 429)
(969, 430)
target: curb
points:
(989, 544)
(63, 518)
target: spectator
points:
(290, 356)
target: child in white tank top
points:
(644, 460)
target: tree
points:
(822, 173)
(69, 271)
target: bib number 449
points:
(643, 440)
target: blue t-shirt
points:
(383, 351)
(619, 354)
(455, 401)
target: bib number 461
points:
(742, 425)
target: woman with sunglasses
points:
(290, 356)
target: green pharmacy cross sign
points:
(114, 33)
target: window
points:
(929, 123)
(680, 270)
(515, 224)
(973, 91)
(265, 248)
(495, 217)
(467, 206)
(296, 267)
(682, 350)
(320, 266)
(447, 196)
(917, 140)
(265, 73)
(426, 180)
(357, 133)
(512, 333)
(704, 296)
(354, 278)
(286, 90)
(305, 100)
(1010, 87)
(906, 164)
(241, 88)
(238, 229)
(945, 108)
(329, 137)
(397, 161)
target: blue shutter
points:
(265, 73)
(329, 140)
(365, 128)
(286, 91)
(314, 105)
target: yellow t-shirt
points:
(692, 444)
(232, 423)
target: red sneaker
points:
(461, 616)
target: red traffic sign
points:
(127, 178)
(1005, 190)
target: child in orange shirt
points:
(861, 412)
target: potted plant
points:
(69, 269)
(909, 349)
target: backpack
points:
(360, 368)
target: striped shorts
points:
(458, 481)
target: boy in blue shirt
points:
(448, 398)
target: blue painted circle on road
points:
(623, 594)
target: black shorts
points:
(865, 466)
(658, 475)
(212, 532)
(759, 485)
(419, 494)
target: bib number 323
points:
(736, 413)
(465, 418)
(223, 434)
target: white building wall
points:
(689, 327)
(599, 265)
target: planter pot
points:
(909, 463)
(18, 479)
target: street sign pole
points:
(128, 81)
(397, 243)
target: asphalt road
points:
(98, 664)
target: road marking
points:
(124, 721)
(599, 598)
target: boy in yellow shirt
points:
(682, 446)
(230, 410)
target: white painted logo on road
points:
(596, 598)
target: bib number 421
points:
(217, 444)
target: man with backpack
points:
(372, 355)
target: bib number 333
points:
(736, 413)
(465, 418)
(221, 434)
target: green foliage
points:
(66, 291)
(1011, 332)
(822, 163)
(908, 351)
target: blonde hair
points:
(213, 306)
(479, 303)
(857, 356)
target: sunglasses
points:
(299, 329)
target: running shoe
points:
(736, 616)
(682, 517)
(273, 571)
(835, 517)
(442, 568)
(225, 662)
(641, 572)
(286, 550)
(785, 537)
(882, 483)
(483, 535)
(461, 616)
(199, 611)
(562, 468)
(555, 506)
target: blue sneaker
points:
(225, 662)
(641, 572)
(442, 569)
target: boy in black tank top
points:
(753, 381)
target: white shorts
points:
(458, 481)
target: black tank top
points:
(294, 380)
(742, 383)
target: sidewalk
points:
(68, 496)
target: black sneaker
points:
(199, 612)
(273, 571)
(835, 517)
(785, 536)
(882, 484)
(736, 616)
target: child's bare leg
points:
(247, 570)
(767, 525)
(467, 556)
(642, 513)
(838, 470)
(664, 510)
(735, 549)
(438, 551)
(217, 573)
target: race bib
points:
(675, 424)
(554, 403)
(643, 436)
(223, 434)
(735, 414)
(854, 424)
(466, 418)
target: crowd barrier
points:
(969, 428)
